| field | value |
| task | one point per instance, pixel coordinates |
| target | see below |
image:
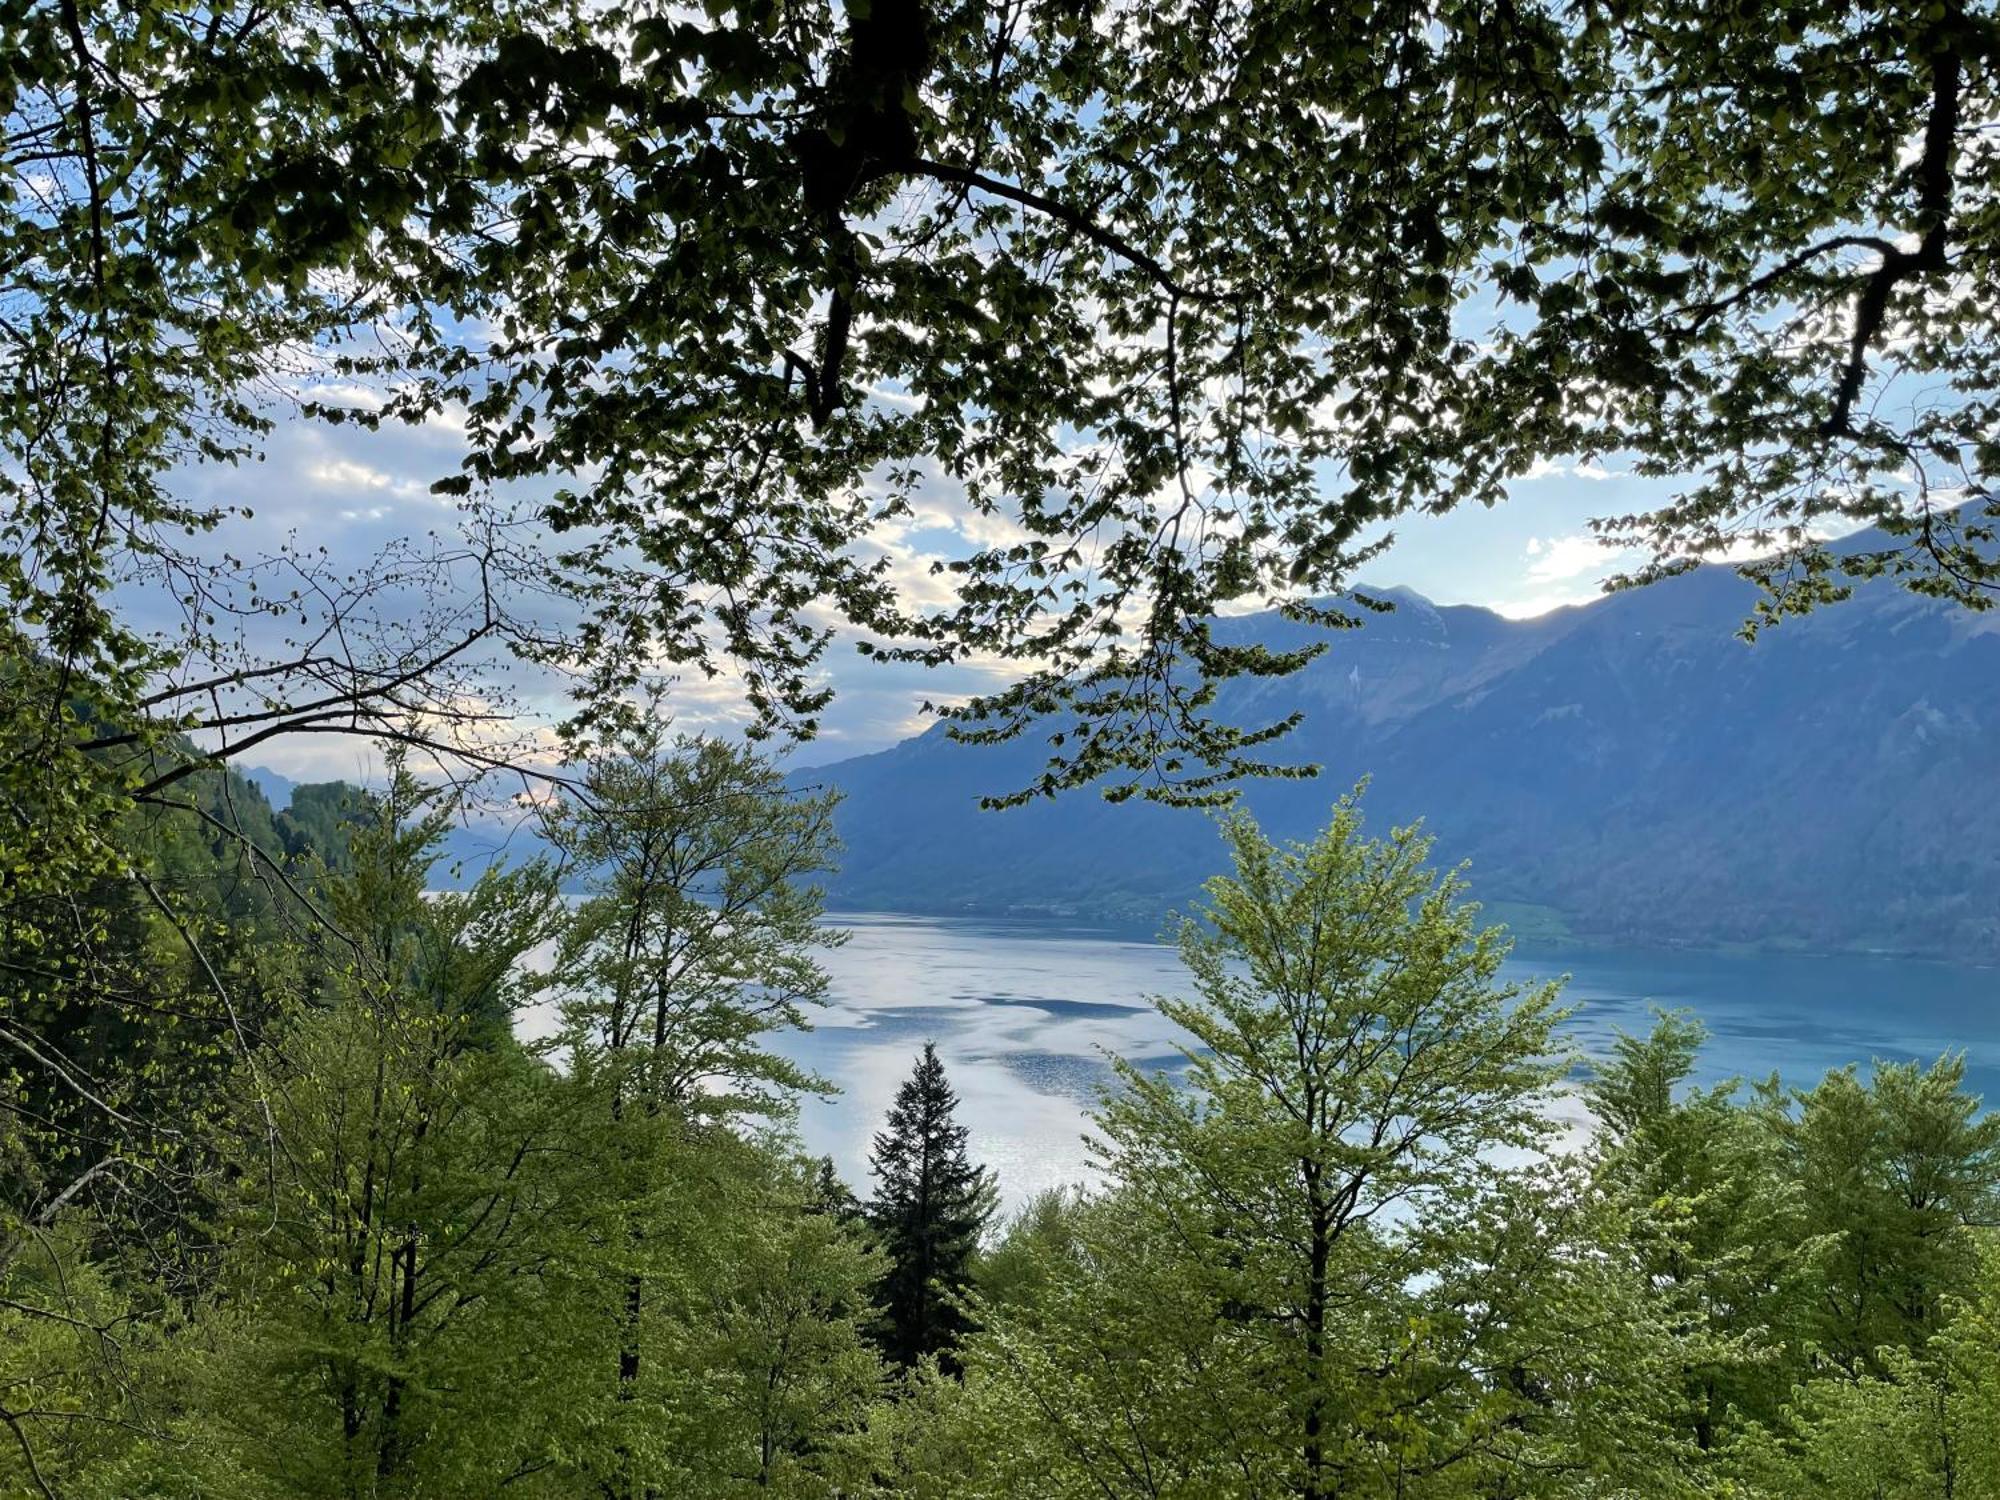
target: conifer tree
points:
(931, 1205)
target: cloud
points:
(1553, 559)
(1527, 607)
(346, 491)
(1560, 571)
(346, 474)
(1589, 468)
(351, 476)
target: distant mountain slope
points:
(1630, 766)
(276, 787)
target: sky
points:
(351, 491)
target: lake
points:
(1023, 1014)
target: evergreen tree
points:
(931, 1205)
(828, 1193)
(319, 822)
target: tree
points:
(931, 1205)
(126, 1004)
(697, 942)
(777, 1349)
(1338, 1254)
(73, 1344)
(1779, 268)
(1183, 303)
(694, 948)
(398, 1176)
(1897, 1174)
(428, 1238)
(1044, 1229)
(1351, 1053)
(1927, 1424)
(1096, 263)
(185, 182)
(1716, 1226)
(319, 822)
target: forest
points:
(343, 1235)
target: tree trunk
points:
(1319, 1253)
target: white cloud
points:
(346, 474)
(1560, 571)
(1527, 607)
(1591, 469)
(356, 477)
(1553, 559)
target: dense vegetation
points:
(352, 1238)
(1166, 309)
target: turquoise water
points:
(1023, 1015)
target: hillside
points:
(1627, 771)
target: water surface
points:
(1023, 1015)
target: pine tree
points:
(931, 1205)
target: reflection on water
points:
(1024, 1014)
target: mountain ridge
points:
(1627, 770)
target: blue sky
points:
(351, 491)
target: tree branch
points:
(1934, 173)
(1062, 213)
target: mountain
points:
(276, 787)
(1628, 771)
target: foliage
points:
(1818, 1256)
(1043, 1231)
(693, 950)
(406, 1259)
(1343, 1248)
(1896, 1173)
(74, 1352)
(1717, 1227)
(696, 943)
(1187, 300)
(932, 1203)
(388, 1157)
(1181, 303)
(125, 1003)
(1923, 1425)
(1781, 272)
(779, 1345)
(1337, 1255)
